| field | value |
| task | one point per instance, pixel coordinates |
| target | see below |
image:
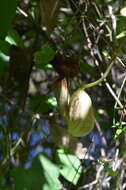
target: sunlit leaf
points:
(121, 35)
(4, 47)
(118, 132)
(42, 103)
(42, 175)
(52, 101)
(70, 165)
(13, 38)
(44, 56)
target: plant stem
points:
(84, 86)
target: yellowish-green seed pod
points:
(80, 116)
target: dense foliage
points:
(41, 42)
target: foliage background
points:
(31, 155)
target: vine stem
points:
(84, 86)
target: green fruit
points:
(80, 115)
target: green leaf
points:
(52, 101)
(121, 35)
(4, 56)
(103, 162)
(42, 103)
(111, 172)
(106, 54)
(70, 165)
(75, 38)
(124, 129)
(43, 57)
(4, 63)
(7, 12)
(121, 26)
(51, 173)
(118, 132)
(43, 175)
(4, 47)
(14, 38)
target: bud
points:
(81, 117)
(62, 97)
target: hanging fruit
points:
(80, 115)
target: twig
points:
(113, 94)
(119, 94)
(121, 62)
(96, 179)
(12, 152)
(22, 12)
(101, 132)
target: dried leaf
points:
(49, 13)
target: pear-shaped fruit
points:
(80, 115)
